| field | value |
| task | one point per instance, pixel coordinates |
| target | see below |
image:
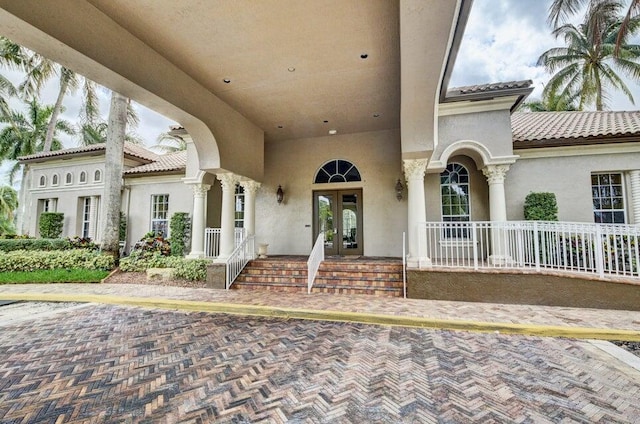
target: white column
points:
(198, 220)
(93, 218)
(250, 190)
(634, 176)
(497, 211)
(414, 170)
(227, 217)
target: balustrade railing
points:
(212, 241)
(606, 250)
(239, 259)
(315, 259)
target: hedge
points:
(9, 245)
(51, 224)
(540, 207)
(23, 260)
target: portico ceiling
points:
(291, 64)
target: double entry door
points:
(338, 214)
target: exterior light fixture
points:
(279, 194)
(399, 190)
(333, 132)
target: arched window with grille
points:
(337, 171)
(455, 198)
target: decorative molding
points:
(495, 173)
(440, 160)
(250, 186)
(579, 150)
(465, 107)
(228, 181)
(414, 169)
(200, 190)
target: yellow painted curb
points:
(339, 316)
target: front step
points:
(379, 277)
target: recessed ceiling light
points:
(376, 115)
(364, 56)
(226, 80)
(325, 121)
(291, 69)
(333, 132)
(280, 126)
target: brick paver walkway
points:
(124, 364)
(115, 364)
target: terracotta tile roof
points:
(543, 128)
(130, 149)
(166, 163)
(488, 88)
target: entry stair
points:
(372, 276)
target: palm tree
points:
(25, 133)
(169, 143)
(585, 68)
(8, 205)
(11, 56)
(550, 102)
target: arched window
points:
(54, 180)
(43, 181)
(68, 179)
(83, 177)
(97, 176)
(337, 171)
(454, 195)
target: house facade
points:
(330, 118)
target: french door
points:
(338, 214)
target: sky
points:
(494, 49)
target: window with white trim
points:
(160, 214)
(54, 180)
(83, 177)
(607, 191)
(454, 198)
(68, 179)
(97, 176)
(239, 209)
(42, 181)
(86, 217)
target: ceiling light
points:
(325, 121)
(291, 69)
(333, 132)
(364, 56)
(376, 115)
(226, 80)
(280, 126)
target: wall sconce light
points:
(279, 194)
(399, 189)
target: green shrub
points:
(151, 244)
(540, 207)
(190, 269)
(51, 224)
(9, 245)
(180, 230)
(122, 230)
(23, 260)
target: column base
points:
(501, 260)
(195, 255)
(418, 263)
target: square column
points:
(414, 170)
(198, 220)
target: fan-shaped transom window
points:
(337, 171)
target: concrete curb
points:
(338, 316)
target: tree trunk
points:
(51, 127)
(113, 167)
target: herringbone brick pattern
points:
(127, 365)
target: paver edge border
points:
(338, 316)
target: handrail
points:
(404, 264)
(315, 258)
(238, 259)
(212, 240)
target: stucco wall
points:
(287, 227)
(141, 190)
(569, 177)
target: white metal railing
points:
(404, 264)
(239, 259)
(212, 241)
(606, 250)
(315, 258)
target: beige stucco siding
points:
(569, 177)
(287, 227)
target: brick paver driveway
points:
(119, 364)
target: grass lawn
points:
(53, 276)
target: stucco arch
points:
(96, 47)
(477, 151)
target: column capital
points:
(200, 190)
(228, 180)
(250, 186)
(495, 173)
(414, 169)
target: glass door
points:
(338, 214)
